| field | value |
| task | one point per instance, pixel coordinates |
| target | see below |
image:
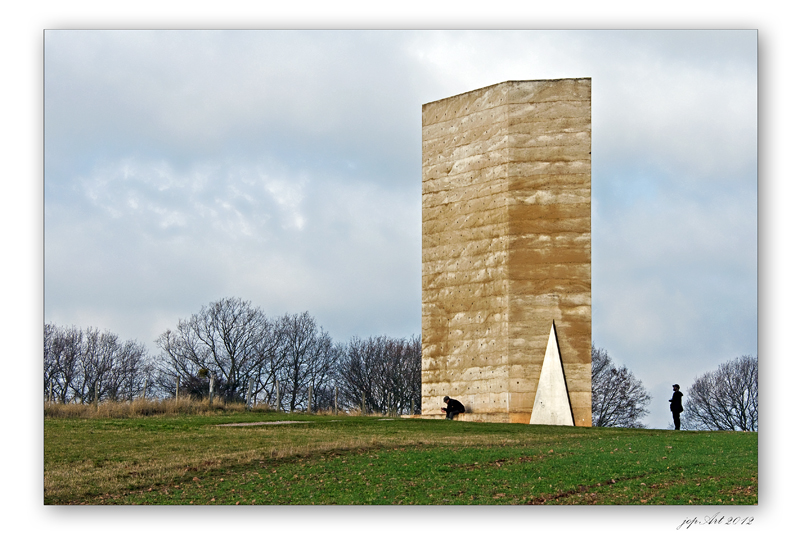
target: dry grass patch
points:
(143, 407)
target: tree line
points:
(291, 363)
(285, 362)
(83, 365)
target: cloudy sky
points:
(284, 167)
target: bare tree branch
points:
(727, 398)
(618, 398)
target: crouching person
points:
(453, 409)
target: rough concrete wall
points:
(465, 252)
(506, 245)
(549, 206)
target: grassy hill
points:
(198, 459)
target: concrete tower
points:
(506, 248)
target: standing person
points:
(675, 405)
(454, 408)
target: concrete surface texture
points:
(506, 246)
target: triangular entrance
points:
(551, 405)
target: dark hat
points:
(446, 398)
(676, 385)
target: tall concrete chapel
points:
(506, 252)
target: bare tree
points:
(181, 358)
(307, 356)
(62, 349)
(411, 371)
(322, 377)
(725, 399)
(235, 342)
(618, 398)
(95, 365)
(358, 372)
(131, 372)
(384, 373)
(84, 366)
(400, 375)
(231, 339)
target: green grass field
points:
(191, 459)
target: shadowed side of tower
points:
(506, 246)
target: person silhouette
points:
(454, 407)
(675, 405)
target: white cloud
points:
(224, 229)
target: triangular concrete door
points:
(551, 406)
